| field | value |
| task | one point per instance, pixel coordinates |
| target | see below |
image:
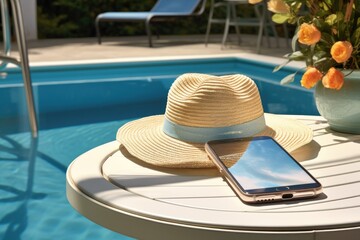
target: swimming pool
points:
(81, 106)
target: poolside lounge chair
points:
(262, 20)
(162, 10)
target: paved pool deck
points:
(53, 50)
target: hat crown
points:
(200, 100)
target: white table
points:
(113, 189)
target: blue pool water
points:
(81, 107)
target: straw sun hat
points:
(200, 108)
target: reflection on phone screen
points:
(263, 164)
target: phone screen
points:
(261, 165)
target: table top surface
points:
(112, 178)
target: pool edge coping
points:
(244, 56)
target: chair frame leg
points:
(234, 17)
(273, 28)
(227, 26)
(261, 31)
(286, 33)
(97, 28)
(148, 31)
(211, 14)
(266, 30)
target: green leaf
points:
(320, 54)
(288, 79)
(280, 17)
(277, 68)
(327, 38)
(355, 39)
(321, 60)
(324, 64)
(340, 16)
(318, 23)
(296, 56)
(331, 19)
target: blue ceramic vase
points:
(341, 107)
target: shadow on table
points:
(307, 152)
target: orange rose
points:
(278, 6)
(309, 34)
(310, 77)
(341, 51)
(333, 79)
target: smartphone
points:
(259, 170)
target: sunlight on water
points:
(32, 183)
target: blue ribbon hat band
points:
(204, 134)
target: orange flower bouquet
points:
(327, 38)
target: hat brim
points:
(145, 139)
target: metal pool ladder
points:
(23, 63)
